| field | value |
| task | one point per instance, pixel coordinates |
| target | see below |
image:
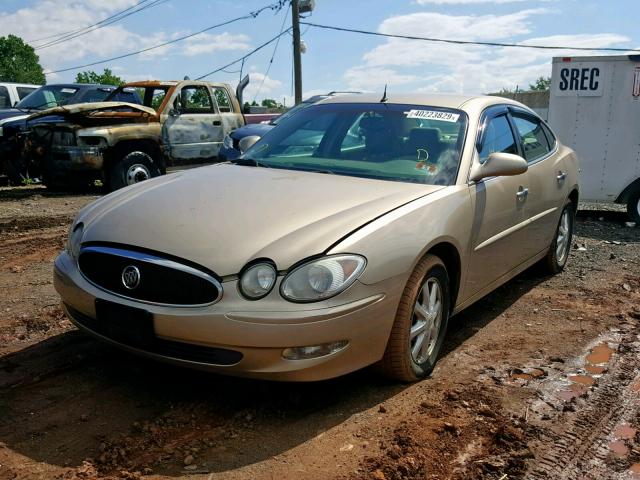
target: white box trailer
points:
(595, 109)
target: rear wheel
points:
(558, 253)
(134, 167)
(420, 324)
(633, 207)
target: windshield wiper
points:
(248, 162)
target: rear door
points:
(546, 183)
(500, 219)
(193, 129)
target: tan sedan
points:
(346, 237)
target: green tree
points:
(541, 84)
(105, 78)
(269, 103)
(19, 62)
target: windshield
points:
(290, 112)
(408, 143)
(47, 97)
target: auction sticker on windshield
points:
(433, 115)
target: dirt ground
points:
(539, 380)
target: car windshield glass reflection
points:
(47, 97)
(410, 143)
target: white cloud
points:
(269, 85)
(53, 17)
(375, 78)
(429, 66)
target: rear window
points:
(24, 91)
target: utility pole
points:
(297, 60)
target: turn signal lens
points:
(258, 280)
(313, 351)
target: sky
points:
(333, 60)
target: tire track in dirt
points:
(582, 447)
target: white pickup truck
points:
(12, 93)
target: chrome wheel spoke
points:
(421, 311)
(425, 328)
(418, 328)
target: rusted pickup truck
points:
(179, 124)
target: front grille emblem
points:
(131, 277)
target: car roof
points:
(79, 85)
(457, 101)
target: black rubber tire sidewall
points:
(118, 171)
(632, 207)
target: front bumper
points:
(76, 158)
(259, 331)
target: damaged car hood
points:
(90, 108)
(223, 216)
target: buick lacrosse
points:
(347, 236)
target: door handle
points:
(217, 123)
(561, 176)
(522, 193)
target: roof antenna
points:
(384, 95)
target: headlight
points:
(227, 142)
(258, 280)
(74, 239)
(322, 278)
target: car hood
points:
(10, 114)
(223, 216)
(258, 129)
(92, 108)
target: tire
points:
(134, 167)
(633, 207)
(16, 170)
(558, 253)
(400, 361)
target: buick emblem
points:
(131, 277)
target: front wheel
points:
(134, 167)
(633, 207)
(558, 253)
(420, 324)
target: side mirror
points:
(247, 142)
(499, 164)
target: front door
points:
(499, 206)
(547, 186)
(193, 130)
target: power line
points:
(244, 57)
(102, 24)
(70, 32)
(465, 42)
(254, 14)
(275, 49)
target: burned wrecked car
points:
(179, 123)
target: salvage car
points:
(305, 262)
(180, 123)
(11, 93)
(14, 161)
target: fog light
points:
(314, 351)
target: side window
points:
(195, 99)
(24, 91)
(498, 137)
(551, 138)
(534, 141)
(222, 99)
(5, 99)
